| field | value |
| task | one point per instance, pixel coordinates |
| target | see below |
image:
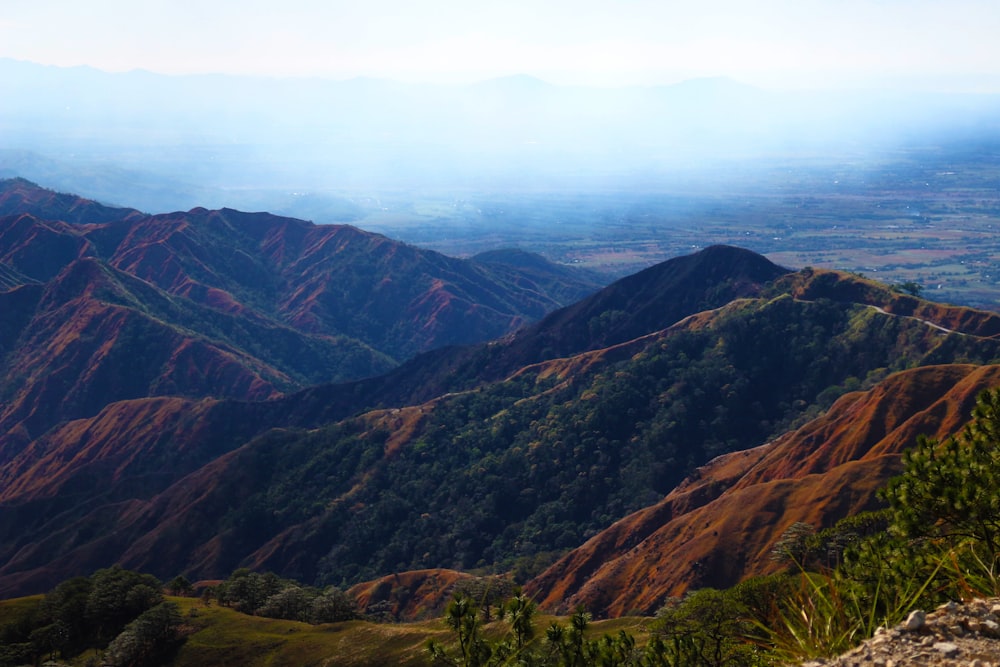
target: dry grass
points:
(221, 637)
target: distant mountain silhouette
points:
(173, 141)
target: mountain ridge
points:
(356, 457)
(265, 414)
(280, 302)
(692, 528)
(605, 434)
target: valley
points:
(898, 185)
(521, 334)
(205, 393)
(926, 214)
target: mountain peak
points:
(657, 297)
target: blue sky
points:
(773, 43)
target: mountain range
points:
(196, 392)
(105, 304)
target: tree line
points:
(937, 539)
(119, 613)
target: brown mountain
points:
(413, 595)
(42, 468)
(546, 456)
(719, 526)
(93, 335)
(106, 304)
(329, 279)
(18, 195)
(848, 288)
(332, 279)
(461, 457)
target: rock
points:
(947, 649)
(953, 635)
(916, 620)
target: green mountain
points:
(505, 469)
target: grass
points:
(223, 637)
(829, 615)
(10, 609)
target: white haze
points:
(800, 44)
(189, 140)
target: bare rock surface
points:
(953, 635)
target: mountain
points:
(651, 300)
(632, 307)
(104, 304)
(410, 595)
(167, 406)
(143, 452)
(533, 272)
(720, 525)
(18, 195)
(558, 437)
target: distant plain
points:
(927, 215)
(902, 187)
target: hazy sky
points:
(777, 43)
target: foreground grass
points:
(220, 636)
(12, 608)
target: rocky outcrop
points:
(953, 635)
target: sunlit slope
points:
(721, 524)
(535, 463)
(103, 304)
